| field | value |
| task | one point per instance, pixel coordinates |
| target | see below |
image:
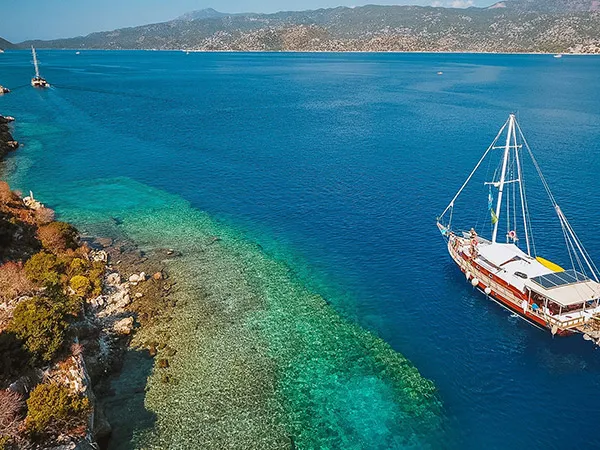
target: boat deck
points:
(508, 275)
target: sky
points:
(51, 19)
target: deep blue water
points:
(340, 163)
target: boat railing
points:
(572, 319)
(564, 321)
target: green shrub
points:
(58, 236)
(41, 323)
(52, 409)
(78, 266)
(96, 277)
(81, 285)
(43, 268)
(6, 443)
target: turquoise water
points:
(336, 166)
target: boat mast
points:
(35, 62)
(511, 130)
(521, 191)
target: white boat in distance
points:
(37, 81)
(506, 267)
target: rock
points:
(113, 279)
(120, 299)
(158, 276)
(134, 278)
(163, 363)
(138, 295)
(13, 145)
(100, 255)
(98, 302)
(124, 326)
(142, 276)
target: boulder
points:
(97, 302)
(138, 295)
(142, 276)
(134, 278)
(101, 256)
(113, 279)
(120, 299)
(124, 326)
(158, 276)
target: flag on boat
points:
(494, 217)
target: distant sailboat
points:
(37, 81)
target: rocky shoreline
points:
(131, 298)
(7, 142)
(133, 290)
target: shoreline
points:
(105, 325)
(278, 52)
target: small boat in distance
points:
(37, 81)
(558, 55)
(506, 266)
(4, 90)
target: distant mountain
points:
(550, 6)
(510, 26)
(207, 13)
(4, 44)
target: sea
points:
(302, 191)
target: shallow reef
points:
(261, 361)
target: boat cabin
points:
(566, 298)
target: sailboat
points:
(37, 81)
(505, 266)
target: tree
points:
(43, 268)
(13, 281)
(52, 410)
(58, 236)
(12, 408)
(41, 323)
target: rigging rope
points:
(563, 220)
(451, 205)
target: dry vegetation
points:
(45, 277)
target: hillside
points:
(512, 26)
(4, 44)
(550, 6)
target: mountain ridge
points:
(5, 45)
(514, 26)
